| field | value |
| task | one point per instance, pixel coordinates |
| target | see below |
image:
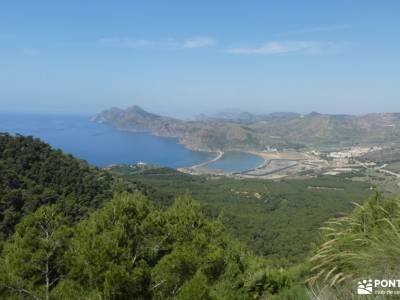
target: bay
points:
(103, 145)
(100, 144)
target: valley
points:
(278, 219)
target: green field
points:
(278, 220)
(386, 184)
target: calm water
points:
(102, 145)
(236, 162)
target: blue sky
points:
(182, 58)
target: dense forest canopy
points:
(125, 250)
(275, 219)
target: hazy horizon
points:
(194, 116)
(183, 59)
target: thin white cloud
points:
(191, 43)
(268, 48)
(331, 28)
(305, 47)
(199, 42)
(137, 43)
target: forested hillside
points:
(71, 231)
(32, 174)
(66, 236)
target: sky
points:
(183, 58)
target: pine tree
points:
(31, 264)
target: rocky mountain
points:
(136, 119)
(257, 132)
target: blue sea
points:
(102, 145)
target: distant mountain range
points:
(246, 131)
(244, 116)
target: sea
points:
(103, 145)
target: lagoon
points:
(236, 162)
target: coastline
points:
(273, 162)
(219, 155)
(201, 169)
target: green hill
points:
(32, 174)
